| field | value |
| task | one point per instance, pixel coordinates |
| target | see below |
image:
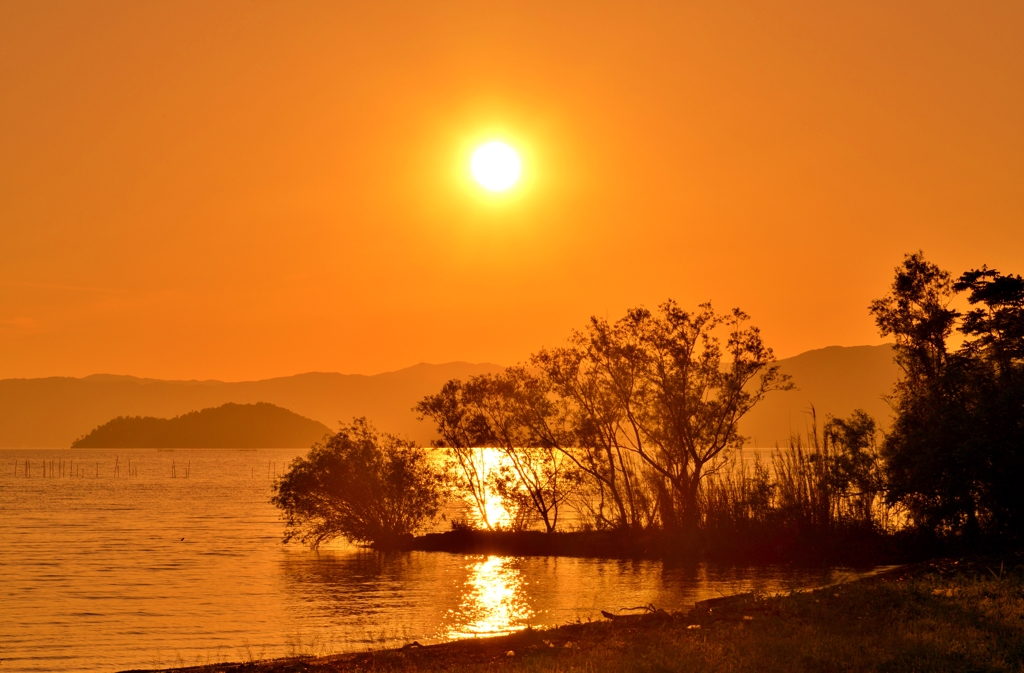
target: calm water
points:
(100, 572)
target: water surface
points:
(102, 571)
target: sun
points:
(496, 166)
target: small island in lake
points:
(229, 426)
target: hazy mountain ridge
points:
(52, 412)
(229, 426)
(835, 380)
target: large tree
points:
(994, 347)
(682, 381)
(954, 453)
(643, 408)
(928, 461)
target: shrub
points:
(359, 484)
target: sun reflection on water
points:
(488, 462)
(494, 602)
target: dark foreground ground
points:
(948, 615)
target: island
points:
(229, 426)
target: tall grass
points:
(820, 496)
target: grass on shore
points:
(942, 616)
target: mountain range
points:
(53, 412)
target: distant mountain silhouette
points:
(229, 426)
(836, 380)
(52, 412)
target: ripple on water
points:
(96, 576)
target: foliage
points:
(662, 388)
(359, 484)
(956, 446)
(811, 492)
(464, 436)
(633, 413)
(853, 466)
(510, 412)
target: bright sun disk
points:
(496, 166)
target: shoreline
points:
(853, 548)
(946, 614)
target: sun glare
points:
(496, 166)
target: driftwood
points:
(725, 602)
(649, 609)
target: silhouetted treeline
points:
(625, 422)
(954, 455)
(230, 426)
(633, 427)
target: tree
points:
(955, 450)
(642, 408)
(681, 392)
(917, 313)
(590, 434)
(520, 417)
(359, 484)
(511, 413)
(853, 467)
(994, 347)
(929, 463)
(464, 436)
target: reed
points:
(816, 497)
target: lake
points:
(146, 558)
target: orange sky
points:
(244, 190)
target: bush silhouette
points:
(359, 484)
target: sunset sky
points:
(244, 190)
